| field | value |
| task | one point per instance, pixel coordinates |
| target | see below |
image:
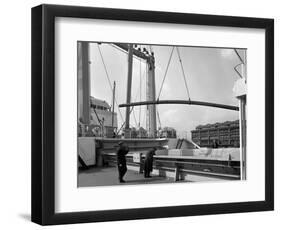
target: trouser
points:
(146, 173)
(147, 169)
(122, 169)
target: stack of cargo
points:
(205, 153)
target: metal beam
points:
(137, 53)
(185, 102)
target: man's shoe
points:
(122, 181)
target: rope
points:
(184, 77)
(241, 63)
(135, 118)
(97, 116)
(109, 82)
(240, 58)
(125, 122)
(165, 75)
(235, 68)
(159, 118)
(143, 120)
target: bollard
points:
(229, 160)
(141, 164)
(177, 173)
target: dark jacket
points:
(148, 161)
(121, 154)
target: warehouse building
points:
(217, 135)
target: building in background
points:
(224, 134)
(168, 132)
(103, 122)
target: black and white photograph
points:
(141, 114)
(150, 114)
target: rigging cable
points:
(109, 82)
(240, 58)
(125, 122)
(132, 109)
(184, 76)
(135, 118)
(241, 63)
(158, 118)
(97, 116)
(140, 96)
(165, 75)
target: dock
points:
(108, 176)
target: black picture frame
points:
(43, 114)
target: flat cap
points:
(120, 142)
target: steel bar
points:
(136, 52)
(185, 102)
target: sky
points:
(209, 74)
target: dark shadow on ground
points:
(147, 180)
(93, 169)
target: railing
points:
(182, 166)
(109, 145)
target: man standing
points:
(121, 160)
(148, 162)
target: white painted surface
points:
(221, 153)
(69, 198)
(87, 150)
(240, 88)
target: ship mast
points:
(129, 88)
(113, 102)
(151, 92)
(150, 96)
(84, 90)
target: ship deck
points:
(108, 176)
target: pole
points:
(243, 119)
(129, 87)
(113, 103)
(240, 92)
(83, 82)
(151, 97)
(242, 123)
